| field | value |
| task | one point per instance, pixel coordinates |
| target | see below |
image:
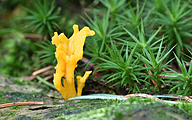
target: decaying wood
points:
(43, 107)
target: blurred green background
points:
(20, 32)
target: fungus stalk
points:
(68, 53)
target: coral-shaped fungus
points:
(68, 53)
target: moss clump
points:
(21, 97)
(77, 107)
(132, 111)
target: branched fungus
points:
(68, 53)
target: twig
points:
(155, 98)
(20, 103)
(188, 99)
(86, 60)
(145, 96)
(42, 70)
(33, 36)
(48, 72)
(150, 73)
(48, 77)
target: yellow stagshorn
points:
(68, 53)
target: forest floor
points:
(55, 107)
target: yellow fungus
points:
(68, 53)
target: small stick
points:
(32, 36)
(188, 99)
(20, 103)
(48, 72)
(150, 73)
(42, 70)
(48, 77)
(157, 99)
(145, 96)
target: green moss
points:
(3, 99)
(19, 82)
(126, 110)
(16, 107)
(7, 114)
(77, 107)
(6, 97)
(187, 107)
(23, 117)
(133, 108)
